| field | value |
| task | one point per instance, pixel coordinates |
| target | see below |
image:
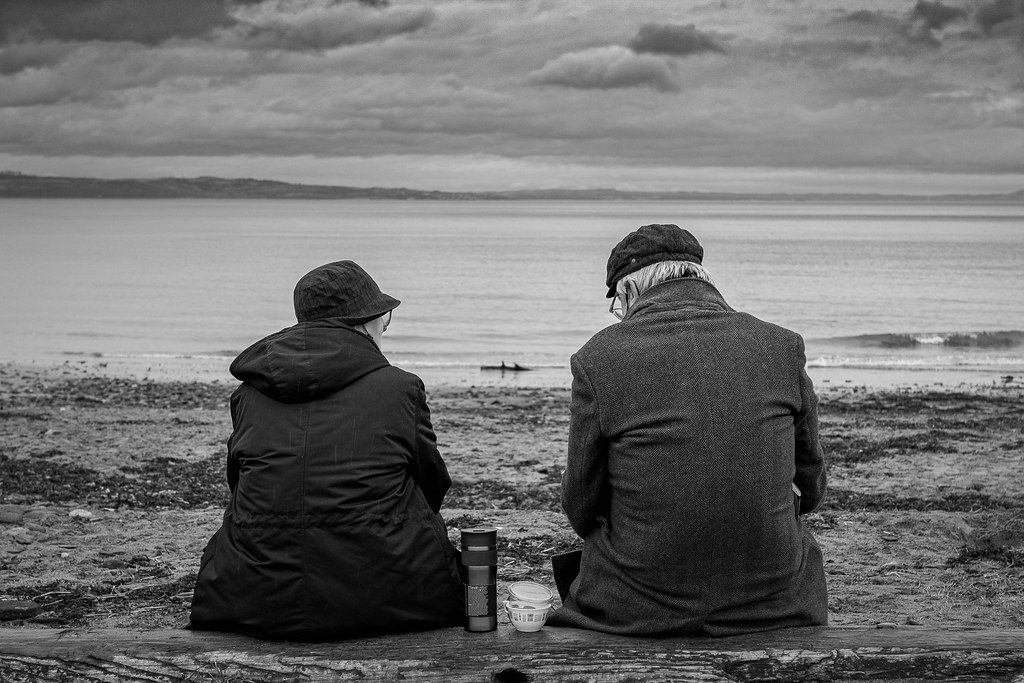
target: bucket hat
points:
(649, 244)
(340, 290)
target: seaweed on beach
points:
(169, 483)
(1009, 557)
(858, 449)
(535, 551)
(951, 501)
(64, 603)
(912, 402)
(44, 480)
(159, 483)
(119, 392)
(30, 415)
(67, 603)
(499, 495)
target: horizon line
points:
(536, 193)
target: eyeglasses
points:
(387, 321)
(616, 307)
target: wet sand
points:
(111, 486)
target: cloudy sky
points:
(742, 95)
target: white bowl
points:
(525, 616)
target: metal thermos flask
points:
(480, 575)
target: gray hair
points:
(662, 271)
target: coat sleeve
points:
(428, 468)
(585, 480)
(810, 462)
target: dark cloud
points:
(149, 22)
(673, 39)
(298, 25)
(992, 16)
(935, 15)
(925, 23)
(894, 33)
(322, 27)
(864, 16)
(928, 23)
(606, 68)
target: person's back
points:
(683, 453)
(332, 529)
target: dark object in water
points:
(515, 367)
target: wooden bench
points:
(553, 654)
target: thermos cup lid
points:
(528, 591)
(481, 537)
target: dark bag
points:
(566, 567)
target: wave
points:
(1003, 339)
(980, 363)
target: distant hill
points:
(13, 184)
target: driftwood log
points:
(553, 654)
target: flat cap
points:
(649, 244)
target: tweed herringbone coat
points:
(690, 422)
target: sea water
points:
(884, 287)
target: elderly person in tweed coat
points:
(693, 451)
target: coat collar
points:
(682, 293)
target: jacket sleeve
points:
(810, 462)
(428, 469)
(585, 479)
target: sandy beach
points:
(110, 487)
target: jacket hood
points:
(308, 361)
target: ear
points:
(631, 290)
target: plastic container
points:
(526, 617)
(530, 593)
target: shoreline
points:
(111, 486)
(214, 369)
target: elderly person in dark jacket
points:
(332, 529)
(692, 428)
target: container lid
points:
(528, 591)
(482, 537)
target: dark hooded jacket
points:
(332, 529)
(690, 423)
